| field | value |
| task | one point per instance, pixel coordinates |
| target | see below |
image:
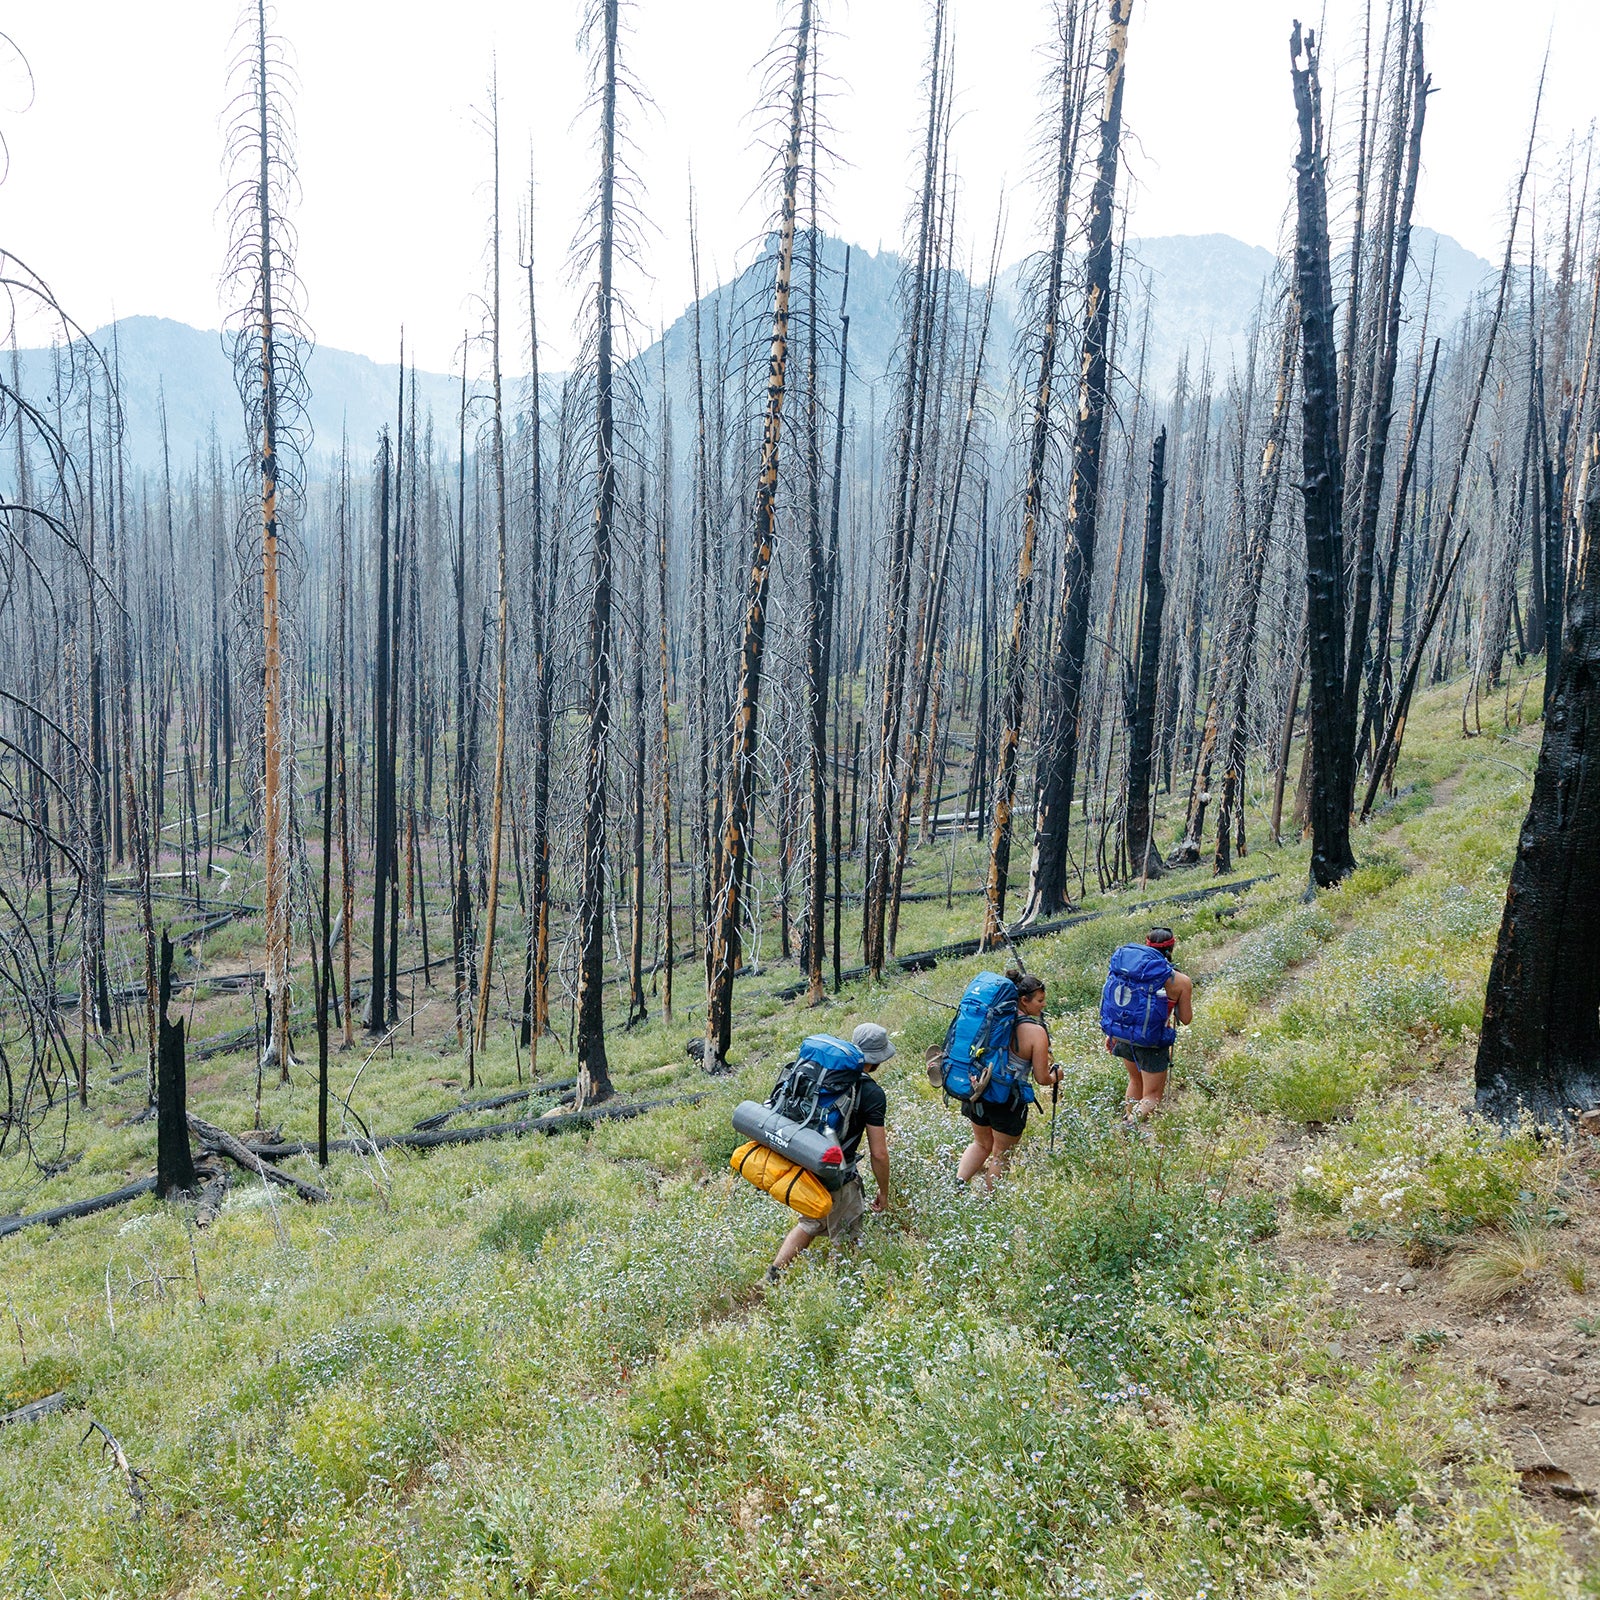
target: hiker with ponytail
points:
(997, 1125)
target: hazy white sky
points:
(115, 179)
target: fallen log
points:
(79, 1208)
(211, 1198)
(36, 1409)
(432, 1139)
(493, 1103)
(926, 960)
(222, 1142)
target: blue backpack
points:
(1134, 1004)
(977, 1064)
(821, 1086)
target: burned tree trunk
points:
(376, 1019)
(594, 1076)
(724, 932)
(538, 932)
(1143, 858)
(1332, 780)
(824, 567)
(174, 1161)
(1541, 1014)
(1240, 649)
(1014, 696)
(1058, 743)
(502, 605)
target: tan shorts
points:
(844, 1220)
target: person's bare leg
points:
(976, 1156)
(1133, 1095)
(1153, 1086)
(1004, 1144)
(798, 1238)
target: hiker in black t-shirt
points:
(849, 1204)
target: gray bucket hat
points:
(873, 1041)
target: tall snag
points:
(1143, 858)
(498, 451)
(1239, 649)
(594, 1077)
(1332, 740)
(1540, 1050)
(1058, 741)
(1014, 698)
(915, 385)
(538, 931)
(268, 341)
(724, 931)
(377, 1017)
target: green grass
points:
(550, 1366)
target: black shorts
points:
(1009, 1117)
(1143, 1057)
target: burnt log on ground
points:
(432, 1139)
(79, 1208)
(493, 1103)
(925, 960)
(223, 1143)
(211, 1198)
(35, 1409)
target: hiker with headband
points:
(1144, 995)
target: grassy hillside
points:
(1291, 1343)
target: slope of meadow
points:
(1318, 1334)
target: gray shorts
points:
(1144, 1057)
(844, 1220)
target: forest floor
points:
(1320, 1333)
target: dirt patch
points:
(1531, 1349)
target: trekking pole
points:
(1055, 1092)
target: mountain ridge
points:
(1193, 294)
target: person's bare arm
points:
(1039, 1056)
(1180, 991)
(878, 1155)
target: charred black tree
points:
(822, 568)
(594, 1076)
(1144, 859)
(723, 935)
(1541, 1013)
(1013, 701)
(1239, 651)
(1332, 774)
(1058, 743)
(376, 1018)
(174, 1161)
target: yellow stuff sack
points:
(788, 1184)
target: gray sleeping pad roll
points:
(806, 1147)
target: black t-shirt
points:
(871, 1105)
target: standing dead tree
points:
(1322, 487)
(1540, 1050)
(724, 935)
(1239, 647)
(1068, 87)
(1143, 857)
(269, 343)
(1058, 739)
(906, 502)
(594, 1078)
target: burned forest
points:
(548, 745)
